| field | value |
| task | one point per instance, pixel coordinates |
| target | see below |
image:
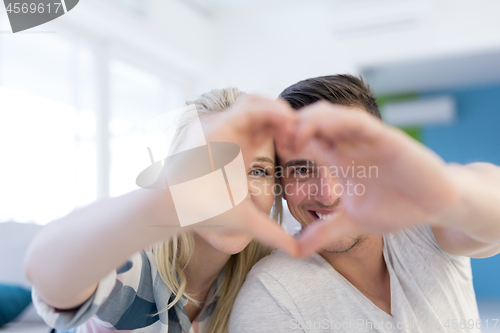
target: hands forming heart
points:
(411, 186)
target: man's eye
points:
(301, 171)
(259, 172)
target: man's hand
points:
(403, 184)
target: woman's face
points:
(260, 175)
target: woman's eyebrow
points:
(264, 159)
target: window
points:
(47, 126)
(49, 112)
(136, 97)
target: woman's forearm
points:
(70, 255)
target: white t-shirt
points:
(431, 291)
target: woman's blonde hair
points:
(171, 256)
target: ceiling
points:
(339, 5)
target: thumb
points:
(321, 233)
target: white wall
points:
(268, 47)
(264, 48)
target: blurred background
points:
(72, 90)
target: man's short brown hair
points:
(342, 89)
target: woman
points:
(188, 278)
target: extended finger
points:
(321, 233)
(267, 117)
(272, 234)
(335, 124)
(309, 119)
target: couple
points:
(395, 258)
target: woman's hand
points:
(249, 123)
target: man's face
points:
(311, 190)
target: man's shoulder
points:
(421, 238)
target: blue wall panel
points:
(475, 136)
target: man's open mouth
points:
(322, 214)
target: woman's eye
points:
(259, 172)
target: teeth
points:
(321, 216)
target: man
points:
(395, 243)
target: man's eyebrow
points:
(264, 159)
(298, 162)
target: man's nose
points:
(326, 194)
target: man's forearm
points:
(477, 211)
